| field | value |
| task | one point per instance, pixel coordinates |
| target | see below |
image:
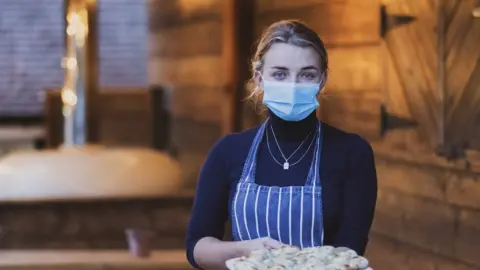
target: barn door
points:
(413, 93)
(462, 76)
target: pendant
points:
(286, 165)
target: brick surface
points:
(31, 49)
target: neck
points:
(293, 131)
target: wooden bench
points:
(90, 260)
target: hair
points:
(292, 32)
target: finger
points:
(272, 243)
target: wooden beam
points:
(348, 22)
(190, 40)
(86, 110)
(200, 71)
(238, 34)
(354, 69)
(165, 14)
(441, 52)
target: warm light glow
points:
(77, 26)
(189, 6)
(69, 97)
(70, 63)
(77, 31)
(67, 111)
(476, 12)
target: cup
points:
(140, 242)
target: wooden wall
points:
(412, 91)
(462, 74)
(128, 117)
(423, 72)
(428, 211)
(353, 95)
(185, 53)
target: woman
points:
(293, 180)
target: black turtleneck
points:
(347, 172)
(293, 131)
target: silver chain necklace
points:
(286, 165)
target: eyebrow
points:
(309, 67)
(304, 68)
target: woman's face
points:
(289, 63)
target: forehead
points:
(291, 56)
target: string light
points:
(76, 30)
(476, 12)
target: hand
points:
(249, 246)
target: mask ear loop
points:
(323, 81)
(321, 92)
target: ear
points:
(258, 78)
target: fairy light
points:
(476, 12)
(77, 31)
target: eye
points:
(309, 76)
(279, 75)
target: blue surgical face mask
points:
(291, 101)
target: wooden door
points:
(413, 92)
(462, 76)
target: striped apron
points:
(291, 215)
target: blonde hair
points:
(292, 32)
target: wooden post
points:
(238, 38)
(80, 93)
(442, 91)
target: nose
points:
(295, 78)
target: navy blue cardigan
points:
(347, 170)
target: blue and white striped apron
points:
(291, 215)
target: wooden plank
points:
(475, 140)
(337, 23)
(203, 38)
(268, 5)
(198, 103)
(353, 112)
(466, 109)
(191, 136)
(170, 13)
(458, 27)
(413, 69)
(461, 62)
(354, 69)
(463, 76)
(83, 259)
(125, 118)
(202, 70)
(396, 102)
(451, 7)
(191, 165)
(238, 40)
(424, 223)
(230, 62)
(421, 32)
